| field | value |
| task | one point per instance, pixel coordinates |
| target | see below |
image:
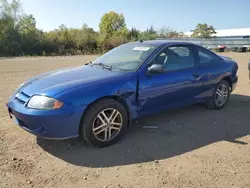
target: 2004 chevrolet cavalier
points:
(98, 101)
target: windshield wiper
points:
(109, 67)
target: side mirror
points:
(156, 68)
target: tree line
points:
(20, 37)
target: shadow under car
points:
(177, 131)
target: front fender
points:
(123, 87)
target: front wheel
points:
(104, 123)
(220, 96)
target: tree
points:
(65, 40)
(113, 31)
(168, 32)
(119, 37)
(112, 22)
(9, 36)
(19, 35)
(149, 34)
(151, 30)
(164, 31)
(107, 42)
(133, 34)
(27, 23)
(86, 39)
(203, 31)
(31, 37)
(10, 9)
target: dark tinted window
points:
(206, 56)
(175, 58)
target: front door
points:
(177, 85)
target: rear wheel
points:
(220, 96)
(104, 123)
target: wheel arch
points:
(114, 97)
(229, 81)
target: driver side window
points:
(175, 58)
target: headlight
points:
(44, 103)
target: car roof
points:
(162, 42)
(158, 43)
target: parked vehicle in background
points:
(242, 49)
(99, 100)
(247, 47)
(221, 48)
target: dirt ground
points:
(192, 147)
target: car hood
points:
(55, 82)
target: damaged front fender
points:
(123, 87)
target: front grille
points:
(22, 97)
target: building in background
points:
(228, 33)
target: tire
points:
(212, 103)
(94, 121)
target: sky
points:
(181, 15)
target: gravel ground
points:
(192, 146)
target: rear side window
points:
(206, 57)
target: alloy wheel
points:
(221, 95)
(107, 124)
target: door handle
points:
(197, 76)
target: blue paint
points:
(141, 92)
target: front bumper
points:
(52, 124)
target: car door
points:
(177, 85)
(210, 67)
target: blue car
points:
(98, 101)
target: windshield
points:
(127, 57)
